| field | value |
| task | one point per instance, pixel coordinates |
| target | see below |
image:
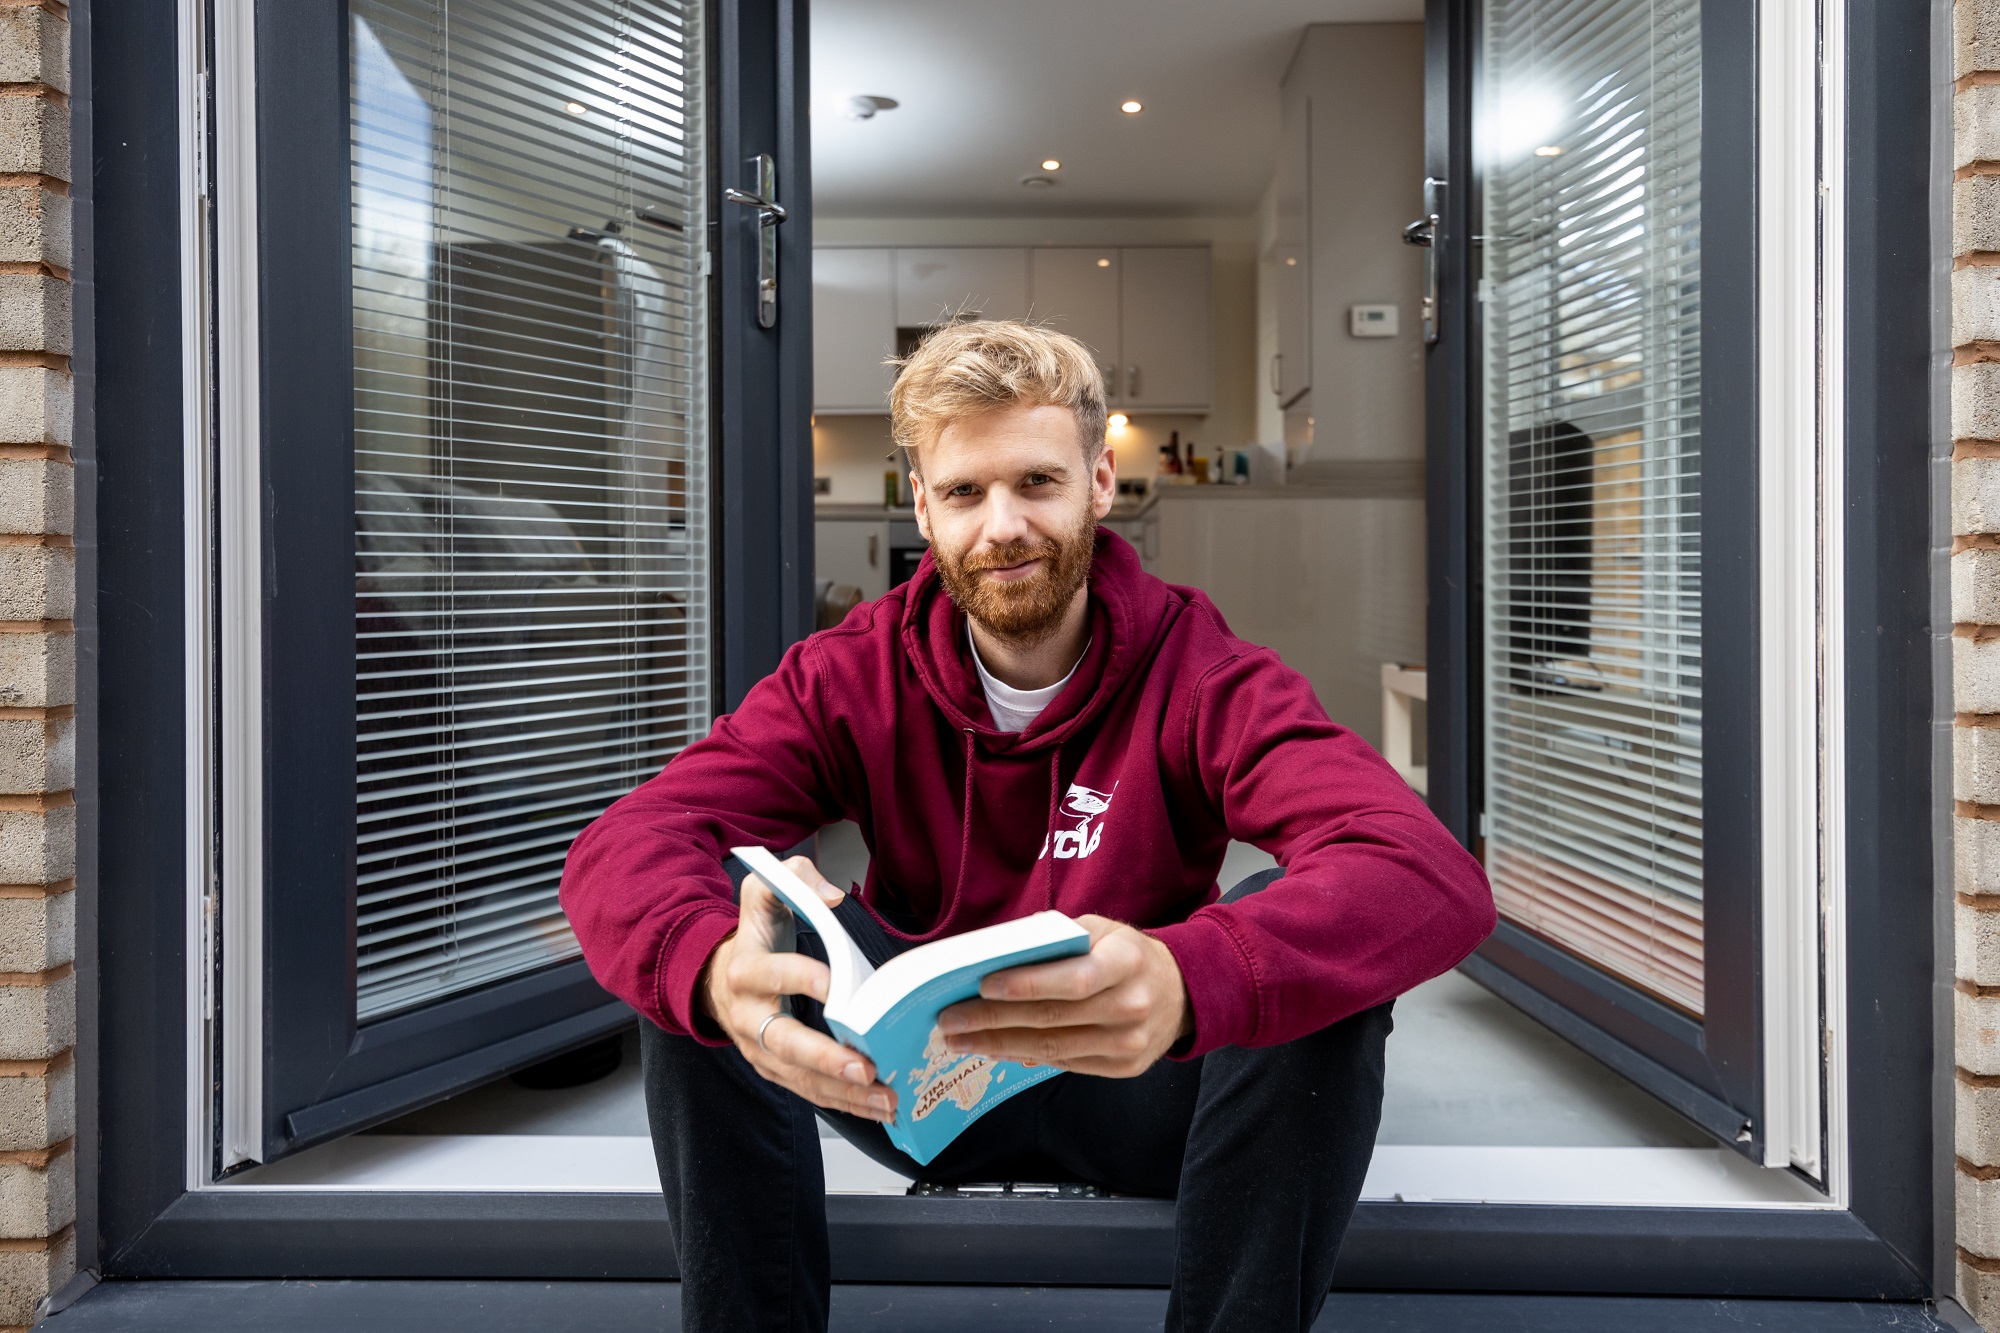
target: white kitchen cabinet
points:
(932, 285)
(1075, 289)
(1144, 311)
(1166, 361)
(1291, 377)
(854, 551)
(854, 329)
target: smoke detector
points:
(863, 106)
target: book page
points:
(843, 959)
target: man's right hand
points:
(740, 987)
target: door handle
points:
(1131, 381)
(769, 214)
(1428, 232)
(1277, 372)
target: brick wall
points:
(37, 666)
(1975, 612)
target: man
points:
(1030, 722)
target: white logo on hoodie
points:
(1083, 804)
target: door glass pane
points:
(531, 489)
(1588, 131)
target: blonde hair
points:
(973, 367)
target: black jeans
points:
(1265, 1150)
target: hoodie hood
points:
(1131, 614)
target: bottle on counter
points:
(1170, 456)
(889, 489)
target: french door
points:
(1598, 596)
(520, 503)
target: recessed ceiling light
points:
(1104, 263)
(1291, 261)
(1548, 150)
(1038, 182)
(1050, 164)
(1118, 421)
(1131, 108)
(575, 108)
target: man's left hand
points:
(1113, 1011)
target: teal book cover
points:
(890, 1013)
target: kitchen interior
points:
(1213, 198)
(1185, 193)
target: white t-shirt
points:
(1014, 709)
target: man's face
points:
(1010, 508)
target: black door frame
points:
(149, 1225)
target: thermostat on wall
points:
(1372, 321)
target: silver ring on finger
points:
(763, 1026)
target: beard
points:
(1023, 611)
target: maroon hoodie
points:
(1172, 737)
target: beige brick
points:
(34, 137)
(37, 847)
(37, 1110)
(34, 47)
(37, 755)
(1975, 214)
(37, 670)
(1975, 764)
(1975, 846)
(27, 1275)
(1975, 587)
(1976, 935)
(36, 405)
(1975, 675)
(37, 1199)
(35, 310)
(38, 495)
(1975, 401)
(37, 582)
(1975, 120)
(1975, 496)
(1975, 37)
(1979, 1215)
(1976, 1123)
(34, 224)
(38, 933)
(1975, 304)
(38, 1022)
(1976, 1022)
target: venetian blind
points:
(1589, 131)
(531, 590)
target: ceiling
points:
(989, 88)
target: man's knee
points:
(1347, 1055)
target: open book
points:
(890, 1013)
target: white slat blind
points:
(531, 609)
(1589, 131)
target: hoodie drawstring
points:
(965, 836)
